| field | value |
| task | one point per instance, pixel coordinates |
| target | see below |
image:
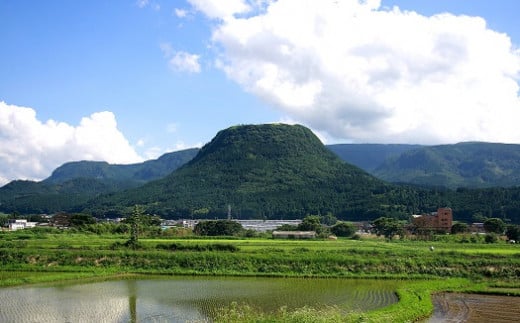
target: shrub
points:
(494, 225)
(491, 238)
(343, 229)
(459, 227)
(217, 228)
(513, 232)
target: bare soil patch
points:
(459, 307)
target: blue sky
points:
(125, 81)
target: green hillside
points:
(137, 173)
(73, 184)
(471, 164)
(41, 197)
(369, 156)
(270, 171)
(280, 171)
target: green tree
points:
(3, 219)
(150, 221)
(81, 219)
(311, 223)
(35, 218)
(459, 227)
(343, 229)
(388, 227)
(491, 238)
(329, 219)
(217, 228)
(478, 217)
(134, 221)
(513, 232)
(494, 225)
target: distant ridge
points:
(369, 156)
(467, 164)
(139, 173)
(74, 183)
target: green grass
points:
(414, 304)
(475, 267)
(317, 258)
(14, 278)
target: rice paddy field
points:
(453, 266)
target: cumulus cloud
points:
(220, 9)
(185, 62)
(180, 61)
(363, 73)
(31, 149)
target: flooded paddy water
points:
(184, 299)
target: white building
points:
(20, 224)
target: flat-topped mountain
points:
(268, 170)
(282, 171)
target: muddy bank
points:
(458, 307)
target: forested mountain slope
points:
(74, 183)
(369, 156)
(140, 172)
(282, 171)
(267, 171)
(470, 164)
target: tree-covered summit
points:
(268, 170)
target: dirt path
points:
(455, 307)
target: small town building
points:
(20, 224)
(477, 227)
(440, 221)
(60, 220)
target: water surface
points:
(184, 299)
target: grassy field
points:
(455, 266)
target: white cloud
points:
(220, 9)
(31, 149)
(367, 74)
(180, 61)
(185, 62)
(180, 13)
